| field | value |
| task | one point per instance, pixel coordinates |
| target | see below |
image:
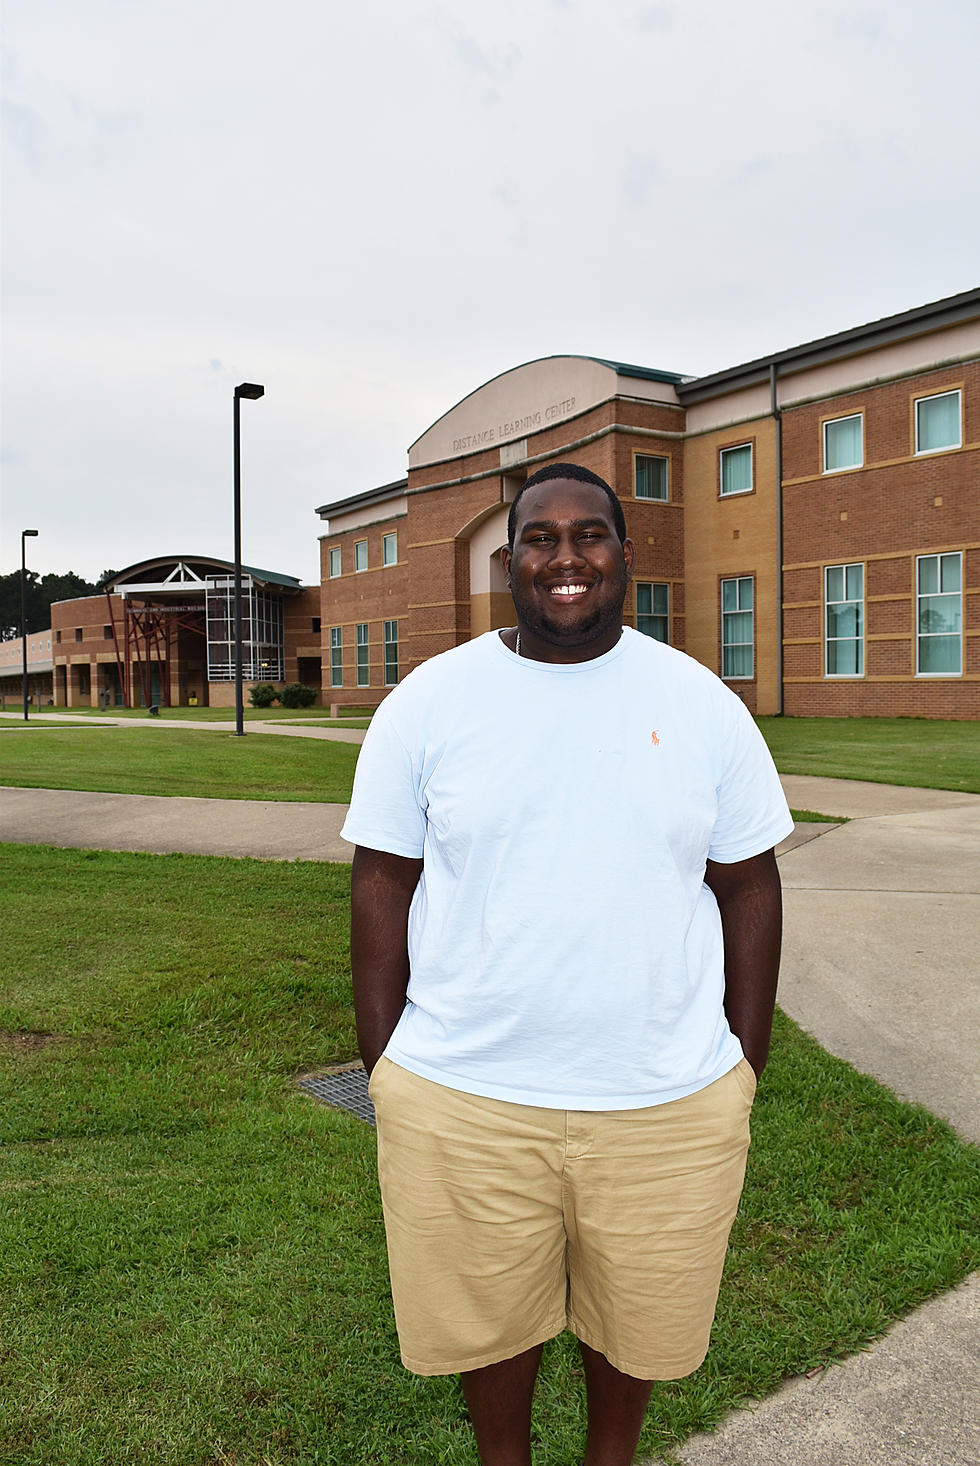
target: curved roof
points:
(190, 571)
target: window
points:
(844, 600)
(363, 678)
(57, 638)
(360, 554)
(389, 548)
(937, 422)
(649, 477)
(736, 469)
(107, 633)
(736, 627)
(335, 562)
(78, 633)
(939, 615)
(391, 653)
(336, 656)
(842, 443)
(315, 625)
(652, 605)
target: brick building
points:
(807, 524)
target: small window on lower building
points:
(363, 663)
(652, 609)
(391, 653)
(336, 656)
(844, 604)
(737, 627)
(107, 633)
(78, 633)
(389, 548)
(649, 477)
(736, 470)
(57, 638)
(939, 592)
(937, 422)
(842, 443)
(315, 628)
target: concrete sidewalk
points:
(879, 965)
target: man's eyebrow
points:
(590, 523)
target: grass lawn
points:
(192, 1260)
(188, 762)
(919, 752)
(358, 717)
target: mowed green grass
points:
(189, 762)
(917, 752)
(192, 1265)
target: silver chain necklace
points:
(517, 645)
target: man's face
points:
(567, 572)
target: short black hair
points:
(572, 471)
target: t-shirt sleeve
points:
(385, 812)
(752, 811)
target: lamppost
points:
(24, 534)
(252, 391)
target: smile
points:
(565, 592)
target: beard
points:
(603, 617)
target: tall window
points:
(360, 555)
(391, 653)
(652, 606)
(334, 562)
(363, 655)
(389, 548)
(736, 627)
(940, 615)
(736, 469)
(937, 422)
(649, 477)
(842, 445)
(336, 656)
(844, 599)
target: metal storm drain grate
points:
(346, 1088)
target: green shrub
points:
(296, 695)
(262, 695)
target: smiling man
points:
(565, 927)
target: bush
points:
(262, 695)
(296, 695)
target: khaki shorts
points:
(508, 1223)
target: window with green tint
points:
(363, 654)
(389, 548)
(737, 626)
(652, 609)
(939, 593)
(736, 469)
(842, 443)
(360, 555)
(937, 422)
(844, 610)
(336, 656)
(391, 653)
(650, 477)
(335, 565)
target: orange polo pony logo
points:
(654, 739)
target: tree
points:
(41, 591)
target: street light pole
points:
(24, 534)
(253, 391)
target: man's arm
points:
(750, 901)
(381, 892)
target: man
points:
(564, 942)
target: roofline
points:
(932, 317)
(367, 497)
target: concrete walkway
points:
(879, 965)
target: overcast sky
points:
(374, 207)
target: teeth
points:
(568, 590)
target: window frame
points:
(831, 422)
(652, 615)
(362, 664)
(934, 397)
(748, 447)
(663, 498)
(939, 556)
(335, 550)
(389, 642)
(360, 545)
(739, 611)
(336, 656)
(845, 566)
(391, 536)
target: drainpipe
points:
(774, 409)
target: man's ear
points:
(505, 558)
(629, 556)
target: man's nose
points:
(567, 552)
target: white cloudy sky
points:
(372, 207)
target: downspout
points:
(774, 409)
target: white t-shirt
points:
(563, 948)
